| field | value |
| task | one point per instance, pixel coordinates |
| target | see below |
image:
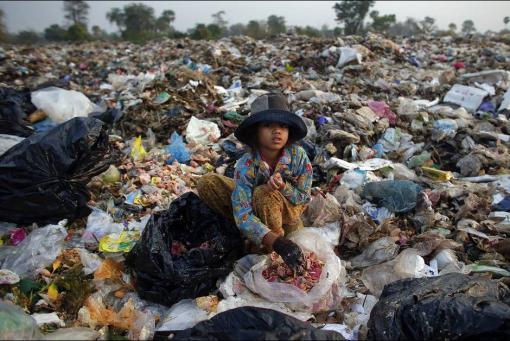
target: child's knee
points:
(264, 198)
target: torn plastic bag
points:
(16, 325)
(110, 116)
(396, 195)
(38, 250)
(251, 323)
(183, 252)
(325, 294)
(43, 178)
(453, 306)
(323, 210)
(381, 250)
(177, 149)
(347, 55)
(62, 105)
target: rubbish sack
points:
(251, 323)
(396, 195)
(38, 250)
(324, 295)
(202, 131)
(43, 178)
(177, 149)
(14, 128)
(7, 141)
(183, 252)
(466, 96)
(16, 325)
(61, 105)
(452, 306)
(15, 105)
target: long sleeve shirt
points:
(251, 171)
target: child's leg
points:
(274, 210)
(215, 190)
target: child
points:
(272, 182)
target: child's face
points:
(273, 136)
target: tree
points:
(275, 25)
(200, 32)
(409, 27)
(3, 30)
(164, 22)
(55, 33)
(452, 27)
(308, 31)
(76, 11)
(78, 32)
(237, 29)
(136, 21)
(215, 31)
(219, 20)
(382, 23)
(255, 29)
(427, 25)
(351, 14)
(27, 37)
(468, 26)
(506, 20)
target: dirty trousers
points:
(272, 208)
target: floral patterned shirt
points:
(251, 171)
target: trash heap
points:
(102, 234)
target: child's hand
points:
(276, 182)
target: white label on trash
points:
(506, 101)
(466, 96)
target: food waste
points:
(280, 272)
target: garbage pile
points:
(102, 234)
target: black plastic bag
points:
(453, 306)
(15, 105)
(396, 195)
(251, 323)
(213, 244)
(43, 178)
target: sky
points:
(37, 15)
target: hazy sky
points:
(37, 15)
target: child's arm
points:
(300, 194)
(245, 219)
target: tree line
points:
(137, 22)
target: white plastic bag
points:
(466, 96)
(38, 250)
(323, 296)
(202, 132)
(7, 141)
(61, 105)
(182, 315)
(347, 55)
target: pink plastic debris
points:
(382, 110)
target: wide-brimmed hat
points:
(270, 107)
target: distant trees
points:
(506, 20)
(468, 27)
(275, 25)
(351, 14)
(255, 29)
(427, 25)
(76, 11)
(27, 37)
(409, 27)
(381, 23)
(55, 33)
(452, 28)
(137, 23)
(3, 29)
